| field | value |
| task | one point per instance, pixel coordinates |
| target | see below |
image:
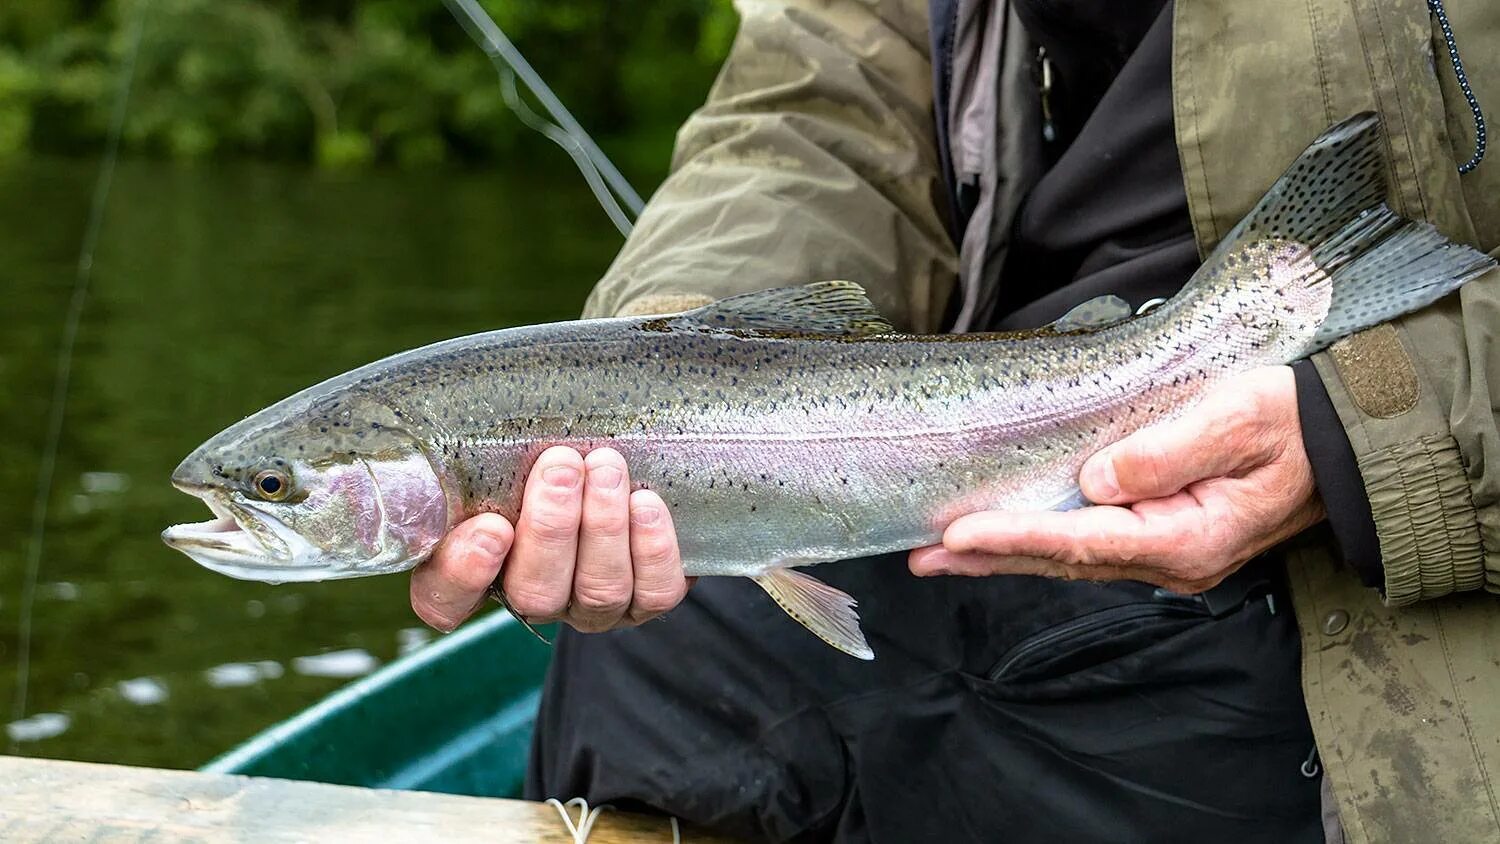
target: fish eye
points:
(273, 484)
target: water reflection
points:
(43, 725)
(345, 664)
(61, 591)
(218, 289)
(142, 691)
(234, 675)
(103, 483)
(411, 639)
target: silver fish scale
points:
(778, 449)
(790, 426)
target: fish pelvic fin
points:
(826, 611)
(1330, 205)
(835, 308)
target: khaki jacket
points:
(814, 158)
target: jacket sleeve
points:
(1336, 473)
(814, 158)
(1417, 398)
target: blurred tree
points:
(341, 82)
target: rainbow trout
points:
(793, 426)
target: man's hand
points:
(1185, 503)
(585, 550)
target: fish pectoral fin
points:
(839, 308)
(826, 611)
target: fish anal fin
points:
(837, 308)
(822, 609)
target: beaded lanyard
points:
(1480, 141)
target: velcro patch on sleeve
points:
(1377, 371)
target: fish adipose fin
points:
(1098, 312)
(824, 610)
(1331, 203)
(838, 308)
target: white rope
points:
(83, 274)
(586, 817)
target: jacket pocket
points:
(1094, 639)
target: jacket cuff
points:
(1336, 473)
(1419, 495)
(1413, 473)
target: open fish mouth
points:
(241, 543)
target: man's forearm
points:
(814, 158)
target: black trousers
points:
(997, 709)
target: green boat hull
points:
(455, 717)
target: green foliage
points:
(17, 84)
(343, 83)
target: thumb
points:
(1212, 440)
(453, 583)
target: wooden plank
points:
(48, 800)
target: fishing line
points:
(554, 133)
(609, 187)
(83, 274)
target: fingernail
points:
(562, 477)
(928, 562)
(1103, 479)
(487, 543)
(645, 516)
(605, 477)
(934, 568)
(958, 539)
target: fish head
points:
(313, 489)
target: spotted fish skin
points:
(780, 446)
(775, 448)
(792, 427)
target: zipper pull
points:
(1044, 67)
(1310, 767)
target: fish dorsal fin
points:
(1095, 313)
(822, 609)
(825, 307)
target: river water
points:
(216, 290)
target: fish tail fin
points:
(822, 609)
(1407, 269)
(1329, 209)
